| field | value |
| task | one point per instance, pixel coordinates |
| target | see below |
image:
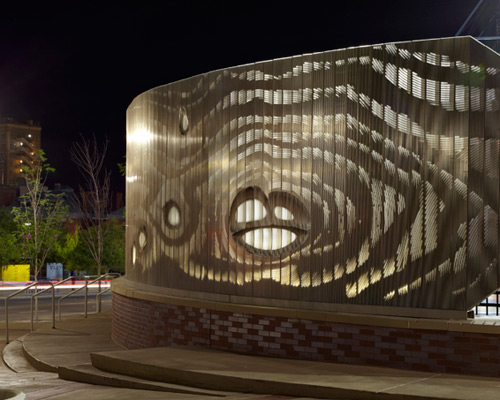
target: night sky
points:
(76, 69)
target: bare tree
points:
(95, 196)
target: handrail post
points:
(31, 310)
(99, 295)
(53, 308)
(98, 303)
(58, 303)
(7, 307)
(86, 294)
(7, 320)
(31, 307)
(100, 292)
(85, 286)
(36, 306)
(35, 296)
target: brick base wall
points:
(141, 323)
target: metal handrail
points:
(7, 308)
(51, 287)
(67, 295)
(87, 283)
(98, 297)
(64, 280)
(53, 300)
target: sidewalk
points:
(70, 345)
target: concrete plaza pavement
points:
(71, 344)
(195, 373)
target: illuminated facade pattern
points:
(365, 176)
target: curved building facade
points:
(361, 180)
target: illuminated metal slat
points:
(318, 231)
(369, 163)
(209, 131)
(413, 193)
(282, 167)
(329, 212)
(433, 129)
(446, 206)
(475, 251)
(307, 188)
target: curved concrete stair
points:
(37, 362)
(238, 373)
(88, 374)
(13, 356)
(223, 371)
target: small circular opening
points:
(183, 121)
(142, 238)
(172, 214)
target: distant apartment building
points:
(18, 145)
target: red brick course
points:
(142, 323)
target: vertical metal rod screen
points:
(362, 176)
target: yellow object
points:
(18, 272)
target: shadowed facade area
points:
(363, 180)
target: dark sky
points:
(75, 69)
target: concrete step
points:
(48, 348)
(88, 374)
(224, 371)
(216, 371)
(38, 363)
(14, 357)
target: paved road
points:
(19, 307)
